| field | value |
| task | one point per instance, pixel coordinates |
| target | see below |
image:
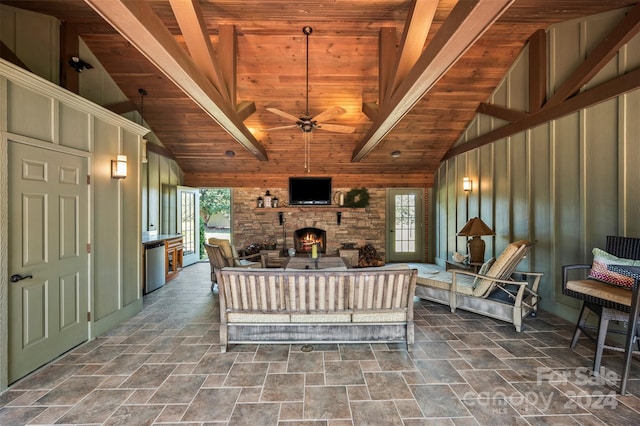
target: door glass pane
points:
(188, 226)
(405, 235)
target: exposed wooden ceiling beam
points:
(370, 109)
(628, 27)
(605, 91)
(227, 58)
(468, 20)
(194, 31)
(122, 107)
(415, 34)
(537, 70)
(245, 109)
(503, 113)
(69, 47)
(386, 61)
(137, 23)
(152, 147)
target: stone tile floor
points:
(164, 366)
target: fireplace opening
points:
(305, 238)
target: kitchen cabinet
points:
(173, 257)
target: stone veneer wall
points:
(255, 225)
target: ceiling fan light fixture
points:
(306, 126)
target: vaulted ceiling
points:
(410, 75)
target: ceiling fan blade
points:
(329, 114)
(292, 126)
(335, 128)
(283, 114)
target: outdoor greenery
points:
(202, 239)
(213, 201)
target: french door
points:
(189, 223)
(405, 225)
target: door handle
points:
(15, 278)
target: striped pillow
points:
(599, 268)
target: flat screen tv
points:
(309, 190)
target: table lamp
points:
(476, 228)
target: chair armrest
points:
(253, 258)
(484, 277)
(250, 256)
(567, 268)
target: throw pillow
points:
(483, 271)
(600, 272)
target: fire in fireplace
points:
(305, 238)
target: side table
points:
(272, 258)
(350, 256)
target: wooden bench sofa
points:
(497, 291)
(321, 306)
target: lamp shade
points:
(475, 228)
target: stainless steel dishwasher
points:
(154, 255)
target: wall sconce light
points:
(119, 167)
(466, 184)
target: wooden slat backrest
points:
(315, 291)
(380, 291)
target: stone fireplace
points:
(357, 225)
(305, 238)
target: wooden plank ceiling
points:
(419, 70)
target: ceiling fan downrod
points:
(307, 30)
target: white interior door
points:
(48, 260)
(189, 223)
(405, 224)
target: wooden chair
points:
(217, 261)
(233, 259)
(609, 302)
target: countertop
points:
(148, 239)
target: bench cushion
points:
(612, 293)
(380, 316)
(255, 317)
(443, 280)
(321, 317)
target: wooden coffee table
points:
(319, 263)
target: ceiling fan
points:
(306, 123)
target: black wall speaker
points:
(339, 217)
(281, 218)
